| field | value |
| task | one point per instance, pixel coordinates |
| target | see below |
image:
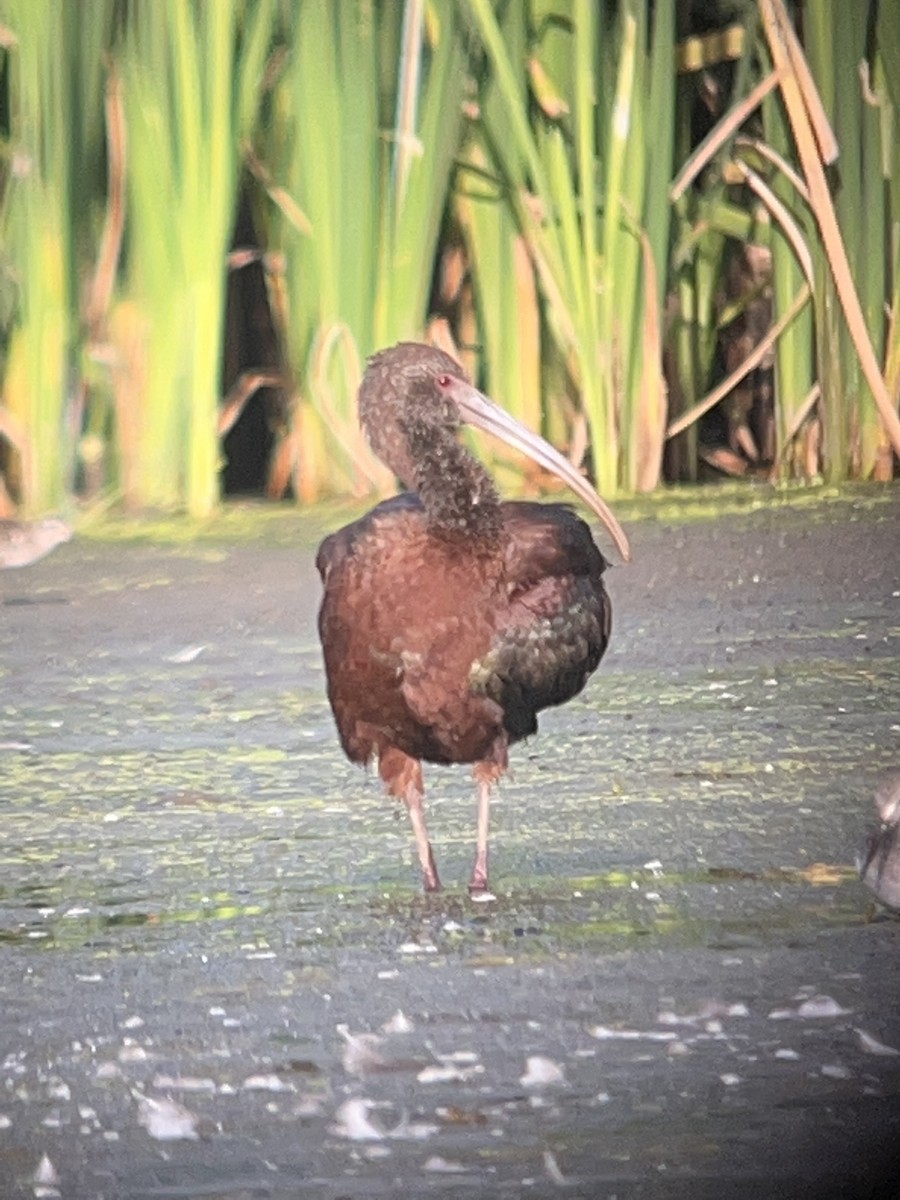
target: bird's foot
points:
(481, 895)
(430, 880)
(479, 879)
(478, 884)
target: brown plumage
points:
(451, 618)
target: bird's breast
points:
(403, 619)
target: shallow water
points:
(201, 901)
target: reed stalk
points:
(886, 74)
(708, 220)
(816, 147)
(546, 129)
(578, 174)
(506, 299)
(835, 44)
(191, 78)
(366, 116)
(54, 59)
(794, 365)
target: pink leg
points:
(485, 774)
(402, 776)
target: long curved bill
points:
(476, 409)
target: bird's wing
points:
(555, 625)
(546, 542)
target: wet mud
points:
(218, 977)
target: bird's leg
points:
(402, 776)
(485, 774)
(479, 880)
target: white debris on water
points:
(448, 1073)
(541, 1072)
(46, 1172)
(465, 1057)
(678, 1049)
(551, 1166)
(605, 1033)
(360, 1055)
(438, 1165)
(308, 1105)
(414, 1131)
(266, 1083)
(87, 1113)
(376, 1150)
(130, 1052)
(166, 1120)
(183, 1083)
(871, 1045)
(811, 1009)
(108, 1070)
(46, 1180)
(821, 1006)
(352, 1121)
(835, 1071)
(398, 1023)
(737, 1010)
(708, 1010)
(188, 655)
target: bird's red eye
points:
(444, 381)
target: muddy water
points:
(207, 917)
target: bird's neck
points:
(459, 497)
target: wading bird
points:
(24, 542)
(450, 618)
(880, 869)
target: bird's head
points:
(406, 388)
(412, 388)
